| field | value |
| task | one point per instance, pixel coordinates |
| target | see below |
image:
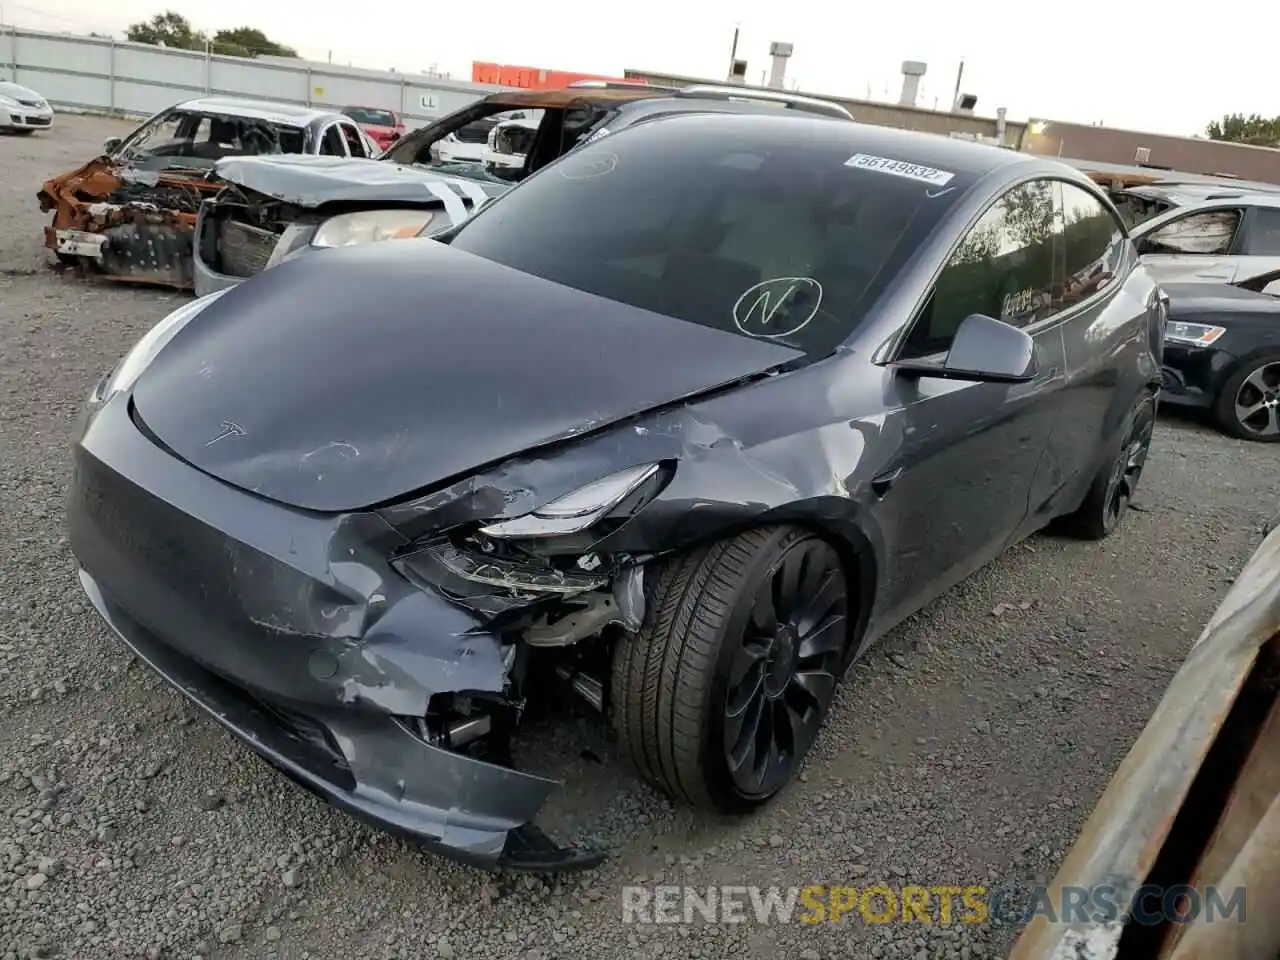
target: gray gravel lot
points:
(968, 749)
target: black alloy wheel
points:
(1248, 407)
(720, 695)
(1115, 485)
(784, 669)
(1127, 470)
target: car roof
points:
(964, 157)
(272, 111)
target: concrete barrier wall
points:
(133, 79)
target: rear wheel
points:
(720, 695)
(1116, 483)
(1248, 407)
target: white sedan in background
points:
(22, 109)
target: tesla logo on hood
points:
(229, 429)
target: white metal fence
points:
(134, 79)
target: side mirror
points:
(110, 144)
(984, 350)
(394, 137)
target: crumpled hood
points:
(357, 376)
(312, 181)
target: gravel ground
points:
(968, 749)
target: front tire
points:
(720, 695)
(1116, 483)
(1248, 406)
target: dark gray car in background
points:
(684, 459)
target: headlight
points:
(1195, 334)
(152, 342)
(369, 226)
(575, 511)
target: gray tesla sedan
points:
(678, 427)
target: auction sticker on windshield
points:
(900, 168)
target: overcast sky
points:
(1087, 61)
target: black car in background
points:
(1222, 354)
(687, 457)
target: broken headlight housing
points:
(370, 226)
(575, 511)
(546, 554)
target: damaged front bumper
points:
(132, 225)
(292, 631)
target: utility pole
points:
(955, 100)
(733, 51)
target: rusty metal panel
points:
(124, 224)
(1128, 828)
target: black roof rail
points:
(791, 101)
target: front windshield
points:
(371, 117)
(767, 231)
(187, 138)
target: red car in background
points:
(384, 126)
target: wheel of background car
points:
(720, 695)
(1116, 483)
(1248, 406)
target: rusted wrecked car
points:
(131, 212)
(1187, 834)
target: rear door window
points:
(1210, 232)
(1092, 245)
(332, 144)
(1263, 238)
(355, 145)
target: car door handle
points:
(883, 483)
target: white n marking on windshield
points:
(755, 316)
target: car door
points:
(1259, 245)
(1199, 245)
(969, 452)
(1095, 318)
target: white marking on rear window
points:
(901, 168)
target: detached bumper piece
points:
(472, 811)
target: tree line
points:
(1253, 129)
(171, 29)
